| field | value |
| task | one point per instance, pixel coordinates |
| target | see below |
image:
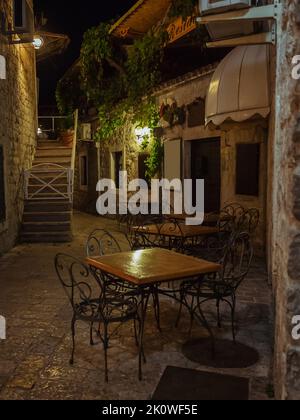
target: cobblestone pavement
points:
(34, 358)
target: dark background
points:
(72, 18)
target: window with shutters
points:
(2, 187)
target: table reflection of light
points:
(137, 256)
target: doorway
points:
(206, 164)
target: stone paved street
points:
(34, 358)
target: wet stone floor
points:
(34, 358)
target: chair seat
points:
(113, 309)
(208, 289)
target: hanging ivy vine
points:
(102, 61)
(69, 93)
(144, 64)
(118, 81)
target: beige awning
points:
(240, 88)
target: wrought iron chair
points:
(92, 303)
(99, 243)
(138, 234)
(223, 287)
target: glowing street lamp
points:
(37, 42)
(141, 133)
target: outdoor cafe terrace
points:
(34, 360)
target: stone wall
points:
(230, 134)
(286, 207)
(86, 199)
(17, 128)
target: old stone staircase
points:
(48, 195)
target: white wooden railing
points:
(34, 180)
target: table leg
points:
(144, 299)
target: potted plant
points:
(66, 133)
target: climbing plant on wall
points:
(184, 8)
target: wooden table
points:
(177, 235)
(209, 218)
(171, 229)
(152, 266)
(147, 269)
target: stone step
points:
(63, 160)
(47, 143)
(46, 237)
(42, 227)
(53, 152)
(45, 206)
(63, 216)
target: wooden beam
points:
(263, 38)
(254, 14)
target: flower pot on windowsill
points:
(66, 137)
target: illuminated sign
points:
(180, 27)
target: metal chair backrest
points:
(100, 242)
(79, 285)
(237, 260)
(248, 221)
(229, 215)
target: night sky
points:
(72, 18)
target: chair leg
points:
(206, 325)
(105, 346)
(192, 310)
(135, 333)
(180, 310)
(73, 340)
(91, 334)
(156, 306)
(219, 315)
(233, 319)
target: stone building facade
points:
(285, 193)
(185, 91)
(18, 124)
(103, 160)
